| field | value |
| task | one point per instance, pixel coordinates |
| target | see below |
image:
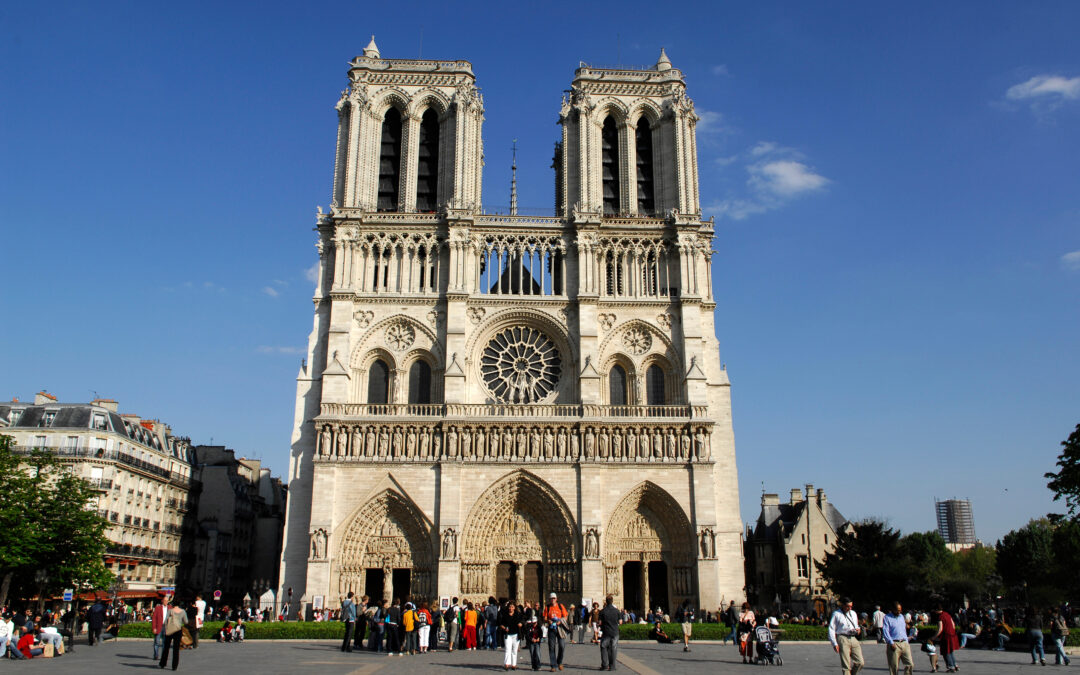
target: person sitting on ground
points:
(657, 633)
(28, 641)
(225, 632)
(1002, 632)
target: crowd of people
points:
(396, 628)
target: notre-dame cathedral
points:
(511, 405)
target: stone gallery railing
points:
(512, 433)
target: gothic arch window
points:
(655, 385)
(390, 161)
(617, 386)
(427, 165)
(613, 270)
(378, 386)
(420, 382)
(646, 202)
(609, 160)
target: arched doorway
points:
(386, 551)
(519, 542)
(649, 551)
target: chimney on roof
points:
(770, 499)
(809, 491)
(44, 398)
(821, 498)
(796, 496)
(107, 403)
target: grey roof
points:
(80, 416)
(777, 520)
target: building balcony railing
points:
(330, 411)
(128, 550)
(68, 453)
(100, 483)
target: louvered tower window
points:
(617, 385)
(378, 384)
(390, 161)
(420, 382)
(646, 204)
(427, 165)
(609, 159)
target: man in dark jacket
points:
(95, 620)
(610, 618)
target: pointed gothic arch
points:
(389, 531)
(520, 519)
(648, 527)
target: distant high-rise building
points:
(955, 522)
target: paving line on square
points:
(635, 665)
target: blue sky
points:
(895, 188)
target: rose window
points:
(400, 336)
(637, 340)
(520, 365)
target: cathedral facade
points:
(508, 405)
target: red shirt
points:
(426, 614)
(26, 643)
(554, 612)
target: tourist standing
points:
(731, 618)
(175, 621)
(512, 623)
(610, 618)
(946, 638)
(200, 616)
(453, 624)
(491, 623)
(1059, 631)
(745, 628)
(555, 617)
(879, 621)
(1033, 625)
(844, 636)
(895, 634)
(157, 625)
(472, 617)
(360, 629)
(534, 634)
(685, 616)
(348, 617)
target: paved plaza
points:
(267, 657)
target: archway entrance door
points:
(402, 586)
(658, 586)
(375, 584)
(633, 582)
(506, 587)
(534, 583)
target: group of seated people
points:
(231, 632)
(29, 639)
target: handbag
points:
(47, 650)
(185, 638)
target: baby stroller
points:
(768, 647)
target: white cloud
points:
(709, 122)
(312, 273)
(271, 291)
(721, 70)
(279, 282)
(785, 178)
(1071, 260)
(1043, 86)
(775, 176)
(265, 349)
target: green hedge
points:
(790, 632)
(274, 630)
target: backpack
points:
(421, 619)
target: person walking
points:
(534, 634)
(1033, 625)
(491, 624)
(157, 625)
(1059, 632)
(360, 628)
(555, 616)
(844, 636)
(200, 616)
(685, 616)
(471, 617)
(731, 618)
(947, 640)
(610, 618)
(95, 621)
(512, 623)
(348, 617)
(175, 621)
(895, 635)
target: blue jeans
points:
(964, 637)
(159, 640)
(1035, 640)
(731, 635)
(1059, 651)
(489, 635)
(1001, 640)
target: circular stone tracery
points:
(520, 365)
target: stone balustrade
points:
(342, 412)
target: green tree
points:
(50, 536)
(867, 564)
(1066, 548)
(930, 562)
(1025, 557)
(1065, 484)
(975, 574)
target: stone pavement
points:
(273, 657)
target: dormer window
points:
(47, 418)
(99, 422)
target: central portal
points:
(534, 583)
(506, 581)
